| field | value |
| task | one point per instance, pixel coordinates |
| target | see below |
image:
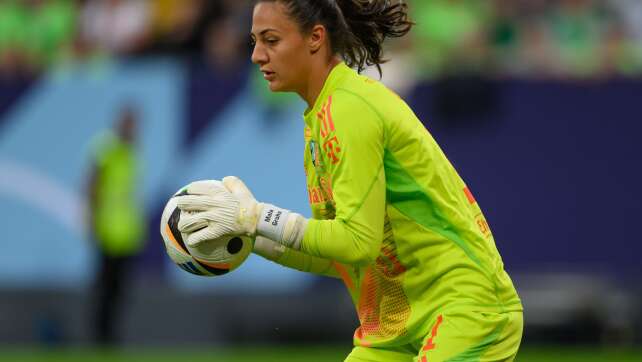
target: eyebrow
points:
(265, 31)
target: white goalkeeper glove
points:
(211, 209)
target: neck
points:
(317, 80)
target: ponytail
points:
(356, 28)
(367, 25)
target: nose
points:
(259, 56)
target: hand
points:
(209, 211)
(249, 209)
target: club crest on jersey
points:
(313, 154)
(315, 157)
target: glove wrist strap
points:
(271, 223)
(281, 225)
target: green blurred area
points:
(289, 354)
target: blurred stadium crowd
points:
(566, 39)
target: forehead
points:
(271, 15)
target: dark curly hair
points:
(357, 28)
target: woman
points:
(391, 216)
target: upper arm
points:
(352, 138)
(358, 142)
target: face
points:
(280, 50)
(127, 126)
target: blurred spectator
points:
(535, 57)
(505, 37)
(175, 18)
(215, 31)
(12, 23)
(625, 41)
(51, 32)
(518, 39)
(119, 27)
(35, 34)
(451, 34)
(578, 31)
(178, 25)
(567, 39)
(116, 220)
(630, 15)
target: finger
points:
(223, 216)
(205, 187)
(212, 232)
(197, 202)
(196, 238)
(236, 186)
(191, 222)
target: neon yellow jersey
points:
(403, 230)
(119, 219)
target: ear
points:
(317, 38)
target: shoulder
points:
(347, 115)
(350, 110)
(360, 91)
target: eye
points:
(252, 42)
(271, 41)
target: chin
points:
(277, 87)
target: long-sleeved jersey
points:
(402, 229)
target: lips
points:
(268, 75)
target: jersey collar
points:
(331, 83)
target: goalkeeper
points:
(391, 216)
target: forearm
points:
(293, 259)
(352, 242)
(344, 242)
(355, 235)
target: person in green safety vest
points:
(117, 219)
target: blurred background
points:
(107, 107)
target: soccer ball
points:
(210, 258)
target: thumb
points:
(236, 186)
